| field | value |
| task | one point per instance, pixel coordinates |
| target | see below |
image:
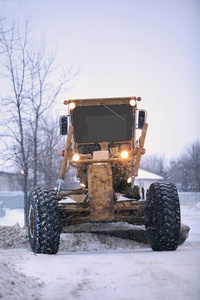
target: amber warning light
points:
(124, 154)
(76, 157)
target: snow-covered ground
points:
(90, 266)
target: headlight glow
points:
(124, 154)
(76, 157)
(129, 180)
(71, 105)
(132, 102)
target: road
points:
(118, 273)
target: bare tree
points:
(28, 72)
(43, 93)
(15, 47)
(185, 171)
(154, 163)
(49, 154)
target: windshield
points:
(103, 123)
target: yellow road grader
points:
(105, 142)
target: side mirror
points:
(63, 125)
(141, 118)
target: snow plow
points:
(105, 149)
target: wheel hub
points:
(31, 220)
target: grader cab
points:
(103, 146)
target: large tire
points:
(163, 216)
(43, 221)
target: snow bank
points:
(79, 242)
(15, 285)
(12, 237)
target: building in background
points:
(11, 181)
(145, 179)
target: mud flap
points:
(100, 192)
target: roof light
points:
(132, 102)
(72, 105)
(124, 154)
(138, 98)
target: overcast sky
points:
(146, 48)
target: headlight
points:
(76, 157)
(124, 154)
